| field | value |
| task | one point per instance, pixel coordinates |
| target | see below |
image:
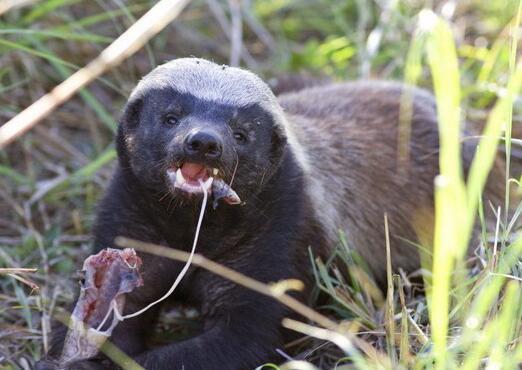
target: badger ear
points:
(278, 135)
(130, 118)
(279, 140)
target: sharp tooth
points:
(207, 184)
(179, 178)
(215, 171)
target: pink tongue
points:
(193, 171)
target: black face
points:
(175, 141)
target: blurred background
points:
(52, 177)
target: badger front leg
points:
(238, 334)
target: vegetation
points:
(465, 51)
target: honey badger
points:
(306, 165)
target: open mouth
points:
(189, 176)
(192, 178)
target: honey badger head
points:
(190, 119)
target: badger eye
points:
(170, 119)
(240, 137)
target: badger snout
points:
(203, 145)
(201, 153)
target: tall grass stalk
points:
(509, 124)
(450, 207)
(455, 203)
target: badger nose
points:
(203, 144)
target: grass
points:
(51, 178)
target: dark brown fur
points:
(317, 161)
(349, 133)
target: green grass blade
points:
(90, 99)
(55, 34)
(449, 189)
(489, 292)
(45, 7)
(14, 175)
(95, 19)
(487, 148)
(84, 173)
(47, 56)
(504, 322)
(496, 335)
(89, 170)
(509, 122)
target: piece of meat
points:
(108, 276)
(220, 189)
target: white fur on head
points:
(209, 81)
(223, 84)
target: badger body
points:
(307, 166)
